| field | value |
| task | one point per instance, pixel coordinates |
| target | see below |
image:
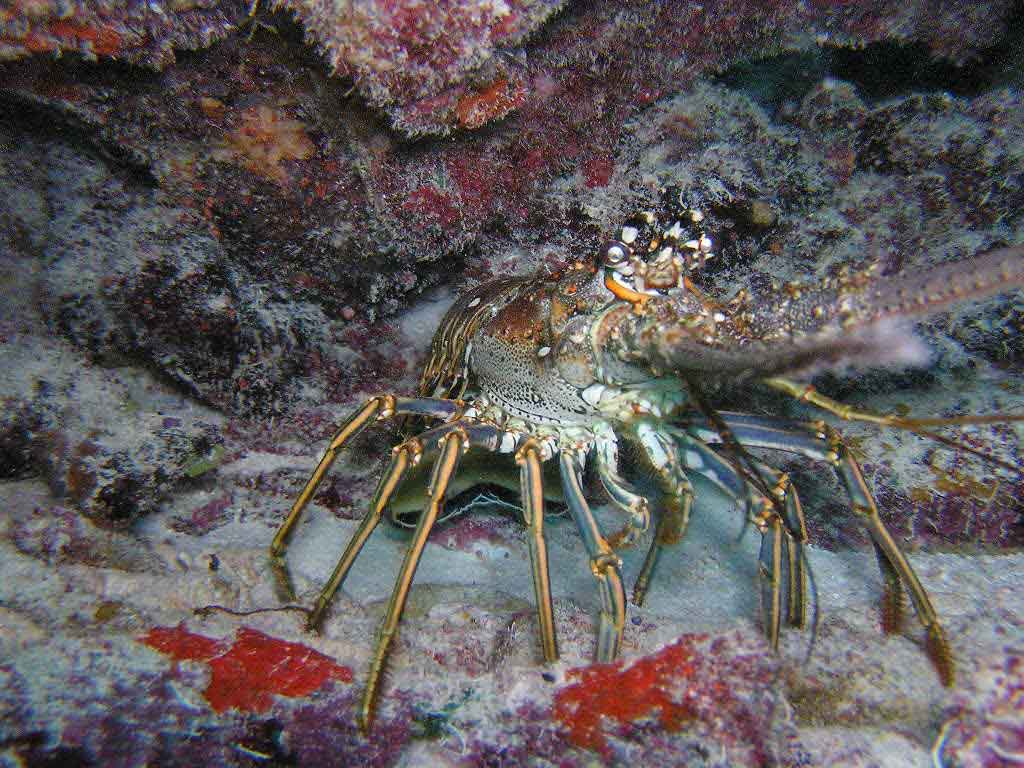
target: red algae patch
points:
(689, 682)
(624, 695)
(247, 673)
(478, 108)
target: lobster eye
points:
(614, 253)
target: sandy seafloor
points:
(87, 681)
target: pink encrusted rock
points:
(142, 33)
(985, 723)
(439, 67)
(432, 66)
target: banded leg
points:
(622, 494)
(452, 446)
(784, 522)
(770, 575)
(660, 453)
(813, 440)
(807, 393)
(404, 456)
(787, 572)
(781, 557)
(604, 564)
(376, 409)
(894, 564)
(528, 457)
(821, 442)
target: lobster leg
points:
(403, 457)
(660, 452)
(406, 455)
(528, 457)
(788, 571)
(643, 578)
(452, 446)
(604, 564)
(791, 530)
(807, 393)
(894, 565)
(820, 441)
(770, 573)
(376, 409)
(622, 494)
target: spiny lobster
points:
(567, 367)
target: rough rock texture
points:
(141, 33)
(119, 648)
(207, 262)
(435, 67)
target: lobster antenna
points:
(743, 462)
(807, 393)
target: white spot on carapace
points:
(628, 235)
(508, 443)
(705, 244)
(615, 254)
(693, 245)
(543, 351)
(696, 216)
(719, 317)
(674, 232)
(592, 394)
(693, 460)
(655, 450)
(474, 302)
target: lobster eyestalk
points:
(854, 319)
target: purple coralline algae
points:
(141, 33)
(985, 725)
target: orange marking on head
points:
(624, 293)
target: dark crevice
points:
(777, 80)
(880, 71)
(25, 114)
(887, 70)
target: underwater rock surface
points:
(106, 660)
(220, 232)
